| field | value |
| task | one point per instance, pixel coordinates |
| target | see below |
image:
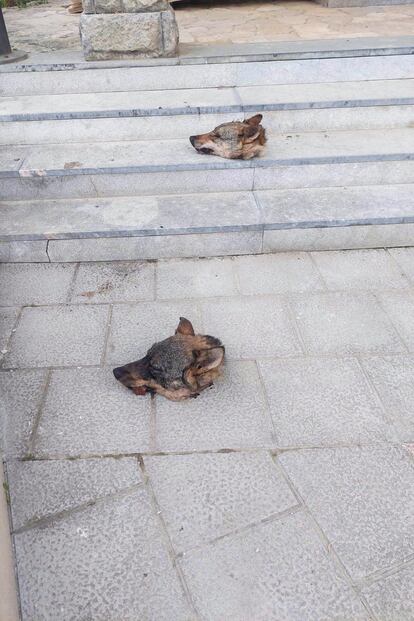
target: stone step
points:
(225, 223)
(182, 126)
(138, 167)
(65, 79)
(208, 100)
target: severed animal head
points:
(177, 368)
(236, 140)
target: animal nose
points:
(118, 372)
(192, 140)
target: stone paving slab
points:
(360, 269)
(399, 306)
(117, 282)
(203, 497)
(33, 283)
(87, 412)
(58, 335)
(393, 379)
(43, 488)
(20, 396)
(392, 597)
(405, 258)
(278, 571)
(370, 529)
(232, 414)
(345, 323)
(104, 562)
(278, 273)
(319, 401)
(195, 278)
(251, 328)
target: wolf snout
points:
(192, 140)
(118, 372)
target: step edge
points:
(223, 229)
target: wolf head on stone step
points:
(178, 368)
(238, 140)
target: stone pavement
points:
(283, 493)
(47, 27)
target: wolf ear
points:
(208, 359)
(185, 327)
(255, 120)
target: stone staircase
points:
(110, 174)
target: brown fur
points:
(177, 368)
(239, 140)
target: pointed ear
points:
(185, 327)
(208, 359)
(255, 120)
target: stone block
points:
(8, 317)
(129, 35)
(203, 497)
(108, 561)
(34, 284)
(87, 412)
(123, 6)
(40, 489)
(399, 305)
(58, 335)
(362, 499)
(392, 596)
(195, 278)
(278, 571)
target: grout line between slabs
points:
(39, 411)
(328, 546)
(167, 540)
(106, 337)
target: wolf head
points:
(179, 367)
(236, 140)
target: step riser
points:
(187, 182)
(209, 244)
(170, 127)
(207, 76)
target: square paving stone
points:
(359, 269)
(135, 327)
(104, 562)
(198, 278)
(405, 258)
(362, 499)
(114, 282)
(392, 598)
(206, 496)
(8, 318)
(41, 488)
(393, 378)
(58, 335)
(20, 396)
(87, 412)
(399, 305)
(231, 414)
(322, 401)
(345, 323)
(251, 327)
(35, 283)
(277, 273)
(278, 571)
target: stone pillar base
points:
(127, 29)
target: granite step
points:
(224, 223)
(66, 78)
(208, 100)
(139, 167)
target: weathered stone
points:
(123, 6)
(126, 35)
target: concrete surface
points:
(284, 493)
